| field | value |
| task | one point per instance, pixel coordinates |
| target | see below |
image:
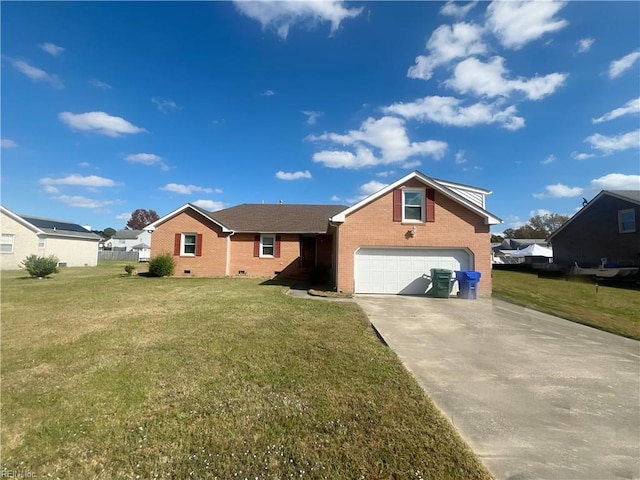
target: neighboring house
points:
(24, 235)
(605, 228)
(126, 240)
(503, 252)
(386, 243)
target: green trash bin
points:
(441, 283)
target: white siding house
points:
(24, 235)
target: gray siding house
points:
(605, 228)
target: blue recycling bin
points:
(468, 284)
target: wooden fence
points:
(131, 256)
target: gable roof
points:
(50, 227)
(264, 218)
(632, 196)
(446, 188)
(127, 234)
(278, 218)
(208, 215)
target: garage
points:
(404, 270)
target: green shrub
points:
(40, 266)
(162, 265)
(130, 269)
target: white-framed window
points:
(42, 242)
(627, 221)
(413, 205)
(188, 246)
(267, 246)
(122, 241)
(6, 244)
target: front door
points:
(307, 252)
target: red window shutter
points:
(276, 252)
(397, 205)
(430, 205)
(176, 244)
(198, 245)
(256, 246)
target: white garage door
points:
(404, 270)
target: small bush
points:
(40, 266)
(162, 266)
(130, 269)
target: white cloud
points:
(548, 160)
(84, 164)
(123, 216)
(448, 43)
(387, 134)
(541, 211)
(268, 93)
(632, 107)
(312, 116)
(52, 49)
(617, 181)
(560, 191)
(449, 111)
(581, 156)
(453, 9)
(335, 198)
(585, 44)
(83, 202)
(148, 159)
(185, 189)
(519, 22)
(51, 189)
(90, 181)
(460, 158)
(385, 174)
(99, 84)
(618, 67)
(99, 122)
(293, 175)
(35, 73)
(7, 143)
(489, 79)
(165, 104)
(281, 16)
(371, 187)
(210, 205)
(609, 145)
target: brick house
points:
(386, 243)
(605, 228)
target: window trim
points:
(423, 204)
(621, 222)
(13, 242)
(42, 243)
(183, 244)
(262, 245)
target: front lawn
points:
(108, 376)
(580, 299)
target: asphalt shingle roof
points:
(277, 218)
(127, 234)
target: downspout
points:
(228, 260)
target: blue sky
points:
(111, 106)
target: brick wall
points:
(213, 261)
(454, 226)
(242, 256)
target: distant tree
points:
(496, 238)
(108, 232)
(140, 218)
(539, 226)
(548, 223)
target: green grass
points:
(603, 306)
(109, 376)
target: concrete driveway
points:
(535, 396)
